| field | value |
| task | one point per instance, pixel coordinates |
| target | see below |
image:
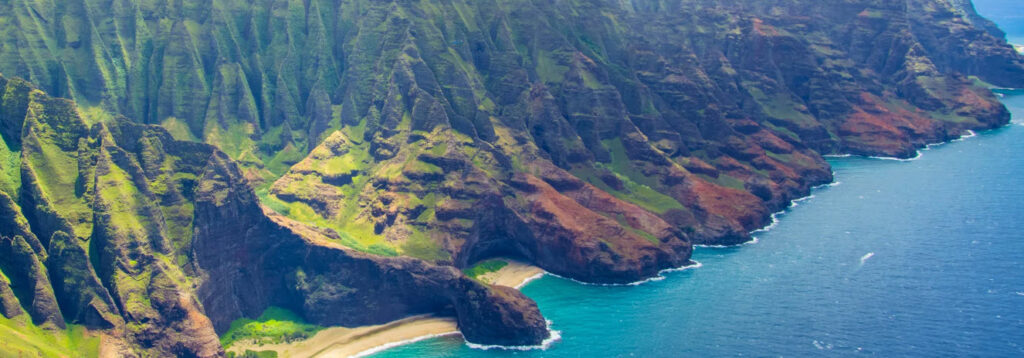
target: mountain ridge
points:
(400, 140)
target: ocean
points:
(901, 258)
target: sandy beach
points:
(347, 342)
(514, 275)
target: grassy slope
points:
(20, 338)
(275, 325)
(485, 267)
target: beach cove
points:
(367, 340)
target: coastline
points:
(777, 216)
(367, 340)
(967, 134)
(516, 274)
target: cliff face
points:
(97, 221)
(392, 142)
(250, 259)
(162, 243)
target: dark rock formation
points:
(250, 261)
(29, 282)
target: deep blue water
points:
(1009, 14)
(946, 277)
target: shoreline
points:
(775, 217)
(515, 275)
(368, 340)
(966, 134)
(690, 265)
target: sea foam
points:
(866, 257)
(965, 136)
(530, 279)
(917, 155)
(970, 134)
(553, 336)
(775, 218)
(387, 346)
(660, 276)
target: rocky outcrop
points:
(86, 301)
(250, 261)
(499, 315)
(29, 282)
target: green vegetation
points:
(253, 354)
(778, 105)
(127, 204)
(421, 246)
(275, 325)
(10, 169)
(94, 114)
(621, 219)
(235, 140)
(317, 101)
(273, 202)
(20, 338)
(50, 150)
(548, 68)
(178, 129)
(485, 267)
(637, 188)
(725, 180)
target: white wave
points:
(796, 202)
(753, 241)
(387, 346)
(660, 276)
(530, 279)
(1020, 293)
(829, 185)
(775, 217)
(967, 135)
(822, 345)
(554, 336)
(916, 156)
(866, 257)
(694, 265)
(772, 225)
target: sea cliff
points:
(170, 167)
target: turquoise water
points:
(918, 258)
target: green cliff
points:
(184, 164)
